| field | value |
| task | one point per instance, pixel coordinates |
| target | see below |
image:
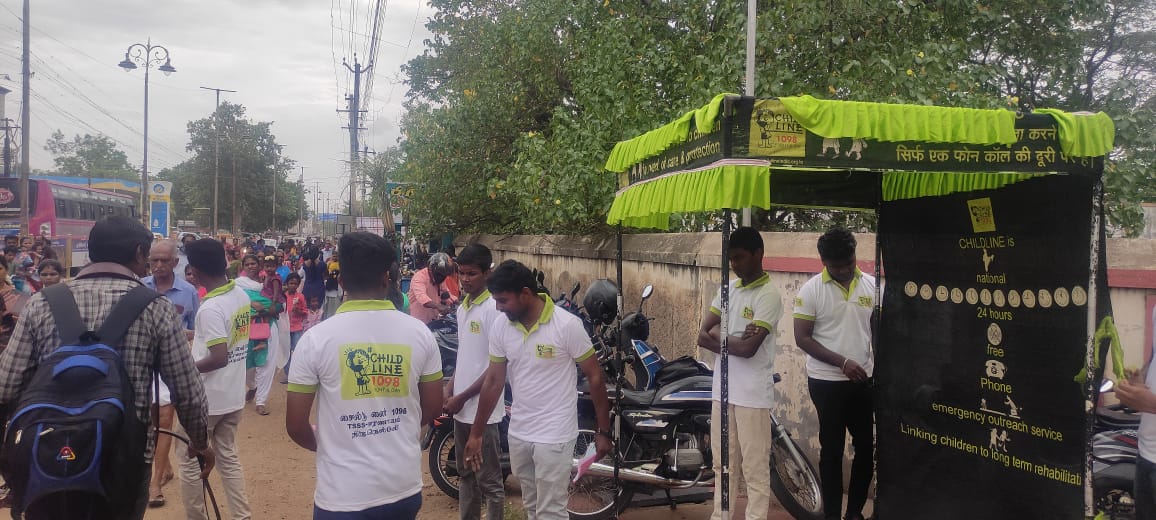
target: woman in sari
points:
(260, 330)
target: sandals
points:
(261, 410)
(157, 500)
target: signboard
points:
(400, 195)
(983, 332)
(9, 199)
(159, 199)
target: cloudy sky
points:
(283, 57)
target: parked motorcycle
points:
(1115, 447)
(664, 442)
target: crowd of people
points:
(354, 350)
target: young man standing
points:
(377, 376)
(538, 348)
(755, 309)
(833, 326)
(476, 318)
(220, 345)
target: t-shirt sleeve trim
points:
(802, 316)
(716, 311)
(497, 359)
(215, 342)
(763, 324)
(584, 357)
(302, 389)
(431, 377)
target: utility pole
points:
(25, 118)
(364, 179)
(354, 124)
(301, 201)
(216, 152)
(316, 209)
(236, 217)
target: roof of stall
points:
(737, 152)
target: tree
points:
(90, 156)
(515, 104)
(250, 151)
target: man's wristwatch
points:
(606, 433)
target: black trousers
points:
(844, 406)
(85, 507)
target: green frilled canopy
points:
(737, 152)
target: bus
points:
(57, 209)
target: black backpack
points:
(74, 447)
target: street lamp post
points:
(146, 55)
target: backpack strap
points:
(65, 312)
(124, 314)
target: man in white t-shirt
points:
(1136, 393)
(476, 317)
(537, 346)
(220, 345)
(755, 309)
(376, 375)
(833, 326)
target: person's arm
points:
(300, 394)
(1136, 396)
(419, 290)
(430, 384)
(18, 361)
(804, 330)
(217, 359)
(745, 345)
(179, 372)
(298, 406)
(494, 380)
(604, 439)
(455, 402)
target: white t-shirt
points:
(751, 379)
(365, 364)
(1147, 431)
(475, 318)
(842, 321)
(540, 368)
(223, 318)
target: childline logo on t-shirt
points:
(748, 313)
(475, 327)
(240, 329)
(374, 370)
(545, 351)
(865, 301)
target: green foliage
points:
(516, 104)
(250, 151)
(89, 156)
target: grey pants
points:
(543, 471)
(486, 483)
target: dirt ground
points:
(279, 478)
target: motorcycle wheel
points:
(794, 481)
(443, 466)
(1115, 504)
(593, 498)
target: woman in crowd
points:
(8, 291)
(260, 330)
(51, 273)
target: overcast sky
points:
(283, 57)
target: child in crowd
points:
(201, 291)
(298, 313)
(314, 315)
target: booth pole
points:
(724, 384)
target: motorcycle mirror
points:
(1107, 386)
(647, 291)
(574, 291)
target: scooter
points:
(663, 443)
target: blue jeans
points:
(294, 337)
(404, 509)
(1145, 489)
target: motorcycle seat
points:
(637, 397)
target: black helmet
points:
(601, 301)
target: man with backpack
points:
(76, 378)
